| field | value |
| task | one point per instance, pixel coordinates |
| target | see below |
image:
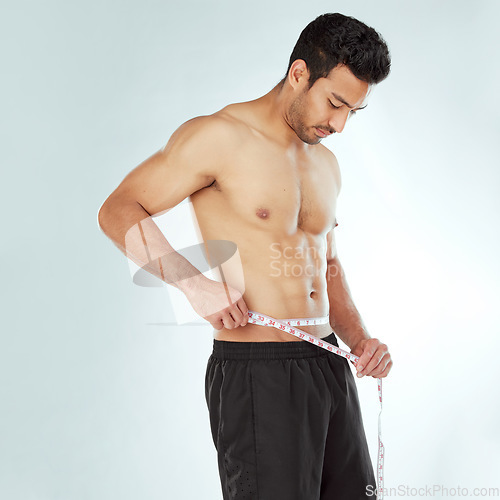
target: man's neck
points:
(273, 108)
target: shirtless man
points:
(284, 413)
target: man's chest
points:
(278, 191)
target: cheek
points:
(317, 112)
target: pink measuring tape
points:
(285, 325)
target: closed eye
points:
(352, 112)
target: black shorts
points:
(286, 422)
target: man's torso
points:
(277, 204)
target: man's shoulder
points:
(329, 159)
(224, 121)
(328, 156)
(207, 135)
(206, 125)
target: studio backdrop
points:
(102, 378)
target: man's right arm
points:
(191, 160)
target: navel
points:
(263, 213)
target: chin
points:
(304, 136)
(314, 139)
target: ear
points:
(298, 75)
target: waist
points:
(269, 350)
(265, 320)
(258, 329)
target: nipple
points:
(263, 213)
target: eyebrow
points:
(343, 101)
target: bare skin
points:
(257, 175)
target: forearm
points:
(133, 231)
(344, 317)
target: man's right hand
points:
(220, 304)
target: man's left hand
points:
(374, 358)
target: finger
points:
(387, 370)
(217, 324)
(366, 356)
(381, 366)
(244, 311)
(383, 373)
(371, 366)
(228, 321)
(367, 368)
(237, 315)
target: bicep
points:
(186, 164)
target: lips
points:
(322, 133)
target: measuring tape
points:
(285, 325)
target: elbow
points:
(103, 217)
(332, 260)
(334, 269)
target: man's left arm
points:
(374, 357)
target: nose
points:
(338, 120)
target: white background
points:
(99, 399)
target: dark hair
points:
(333, 39)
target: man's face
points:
(315, 113)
